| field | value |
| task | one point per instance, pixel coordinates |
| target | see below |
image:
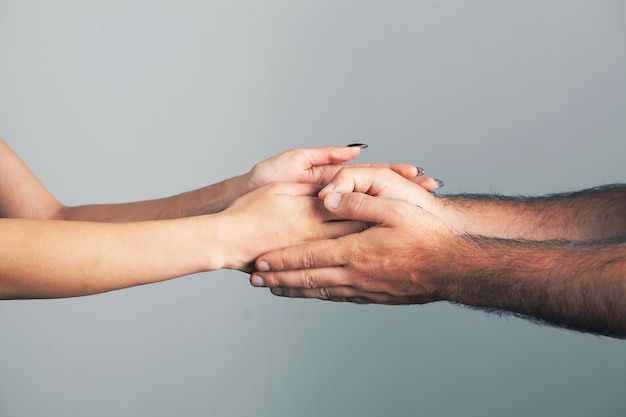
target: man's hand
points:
(385, 183)
(410, 256)
(389, 263)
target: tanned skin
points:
(559, 259)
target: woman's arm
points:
(22, 195)
(50, 258)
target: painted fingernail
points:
(277, 291)
(263, 266)
(328, 188)
(333, 199)
(439, 183)
(360, 145)
(420, 171)
(257, 281)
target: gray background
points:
(115, 101)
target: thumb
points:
(363, 207)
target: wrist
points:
(229, 190)
(445, 271)
(211, 239)
(237, 186)
(445, 211)
(448, 210)
(227, 245)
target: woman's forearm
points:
(43, 259)
(54, 258)
(206, 200)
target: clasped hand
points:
(284, 209)
(370, 266)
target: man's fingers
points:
(381, 182)
(342, 294)
(347, 294)
(361, 180)
(363, 207)
(301, 278)
(337, 294)
(318, 254)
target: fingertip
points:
(262, 266)
(276, 291)
(329, 188)
(257, 281)
(332, 200)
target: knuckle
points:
(271, 280)
(271, 262)
(325, 293)
(355, 201)
(308, 259)
(310, 281)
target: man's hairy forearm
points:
(575, 285)
(597, 213)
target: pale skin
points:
(51, 250)
(558, 259)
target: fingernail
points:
(439, 183)
(333, 199)
(420, 171)
(328, 188)
(360, 145)
(263, 266)
(257, 281)
(277, 291)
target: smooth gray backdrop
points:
(112, 101)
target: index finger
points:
(328, 155)
(370, 180)
(318, 254)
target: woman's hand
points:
(276, 216)
(319, 166)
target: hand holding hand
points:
(397, 261)
(276, 216)
(384, 183)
